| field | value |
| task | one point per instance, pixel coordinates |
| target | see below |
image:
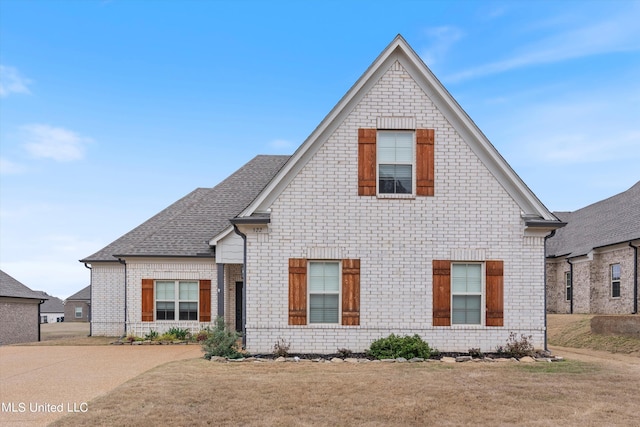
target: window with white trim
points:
(466, 293)
(179, 296)
(568, 285)
(78, 312)
(395, 158)
(616, 272)
(324, 292)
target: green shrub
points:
(152, 335)
(179, 333)
(202, 335)
(395, 346)
(222, 342)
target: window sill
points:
(396, 196)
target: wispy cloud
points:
(442, 39)
(11, 81)
(63, 145)
(618, 34)
(7, 167)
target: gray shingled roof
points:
(10, 287)
(610, 221)
(52, 304)
(83, 294)
(185, 227)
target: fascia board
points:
(215, 239)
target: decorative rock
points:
(351, 360)
(236, 360)
(448, 360)
(527, 359)
(337, 360)
(463, 358)
(416, 359)
(401, 359)
(280, 359)
(543, 359)
(388, 360)
(218, 359)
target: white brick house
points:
(395, 215)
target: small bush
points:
(395, 346)
(179, 333)
(203, 335)
(222, 342)
(281, 347)
(518, 347)
(152, 335)
(131, 338)
(167, 337)
(475, 352)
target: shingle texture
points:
(10, 287)
(185, 227)
(81, 295)
(52, 304)
(610, 221)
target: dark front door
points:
(239, 286)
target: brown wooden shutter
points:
(147, 300)
(441, 293)
(495, 293)
(367, 162)
(297, 291)
(351, 292)
(425, 162)
(205, 300)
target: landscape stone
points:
(448, 359)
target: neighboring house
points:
(395, 215)
(19, 311)
(77, 308)
(592, 263)
(52, 310)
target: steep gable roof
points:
(184, 228)
(10, 287)
(607, 222)
(82, 294)
(399, 50)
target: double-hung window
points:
(568, 286)
(466, 293)
(324, 292)
(174, 295)
(78, 312)
(395, 160)
(615, 280)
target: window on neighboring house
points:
(615, 280)
(568, 285)
(466, 294)
(172, 294)
(395, 159)
(324, 292)
(78, 312)
(43, 319)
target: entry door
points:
(239, 290)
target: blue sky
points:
(112, 110)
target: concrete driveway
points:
(42, 383)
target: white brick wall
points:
(320, 214)
(107, 293)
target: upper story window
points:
(615, 280)
(395, 160)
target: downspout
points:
(571, 280)
(123, 262)
(553, 233)
(90, 299)
(244, 284)
(39, 313)
(635, 278)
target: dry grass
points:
(570, 393)
(68, 333)
(255, 394)
(574, 330)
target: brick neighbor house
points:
(77, 308)
(592, 263)
(19, 311)
(395, 215)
